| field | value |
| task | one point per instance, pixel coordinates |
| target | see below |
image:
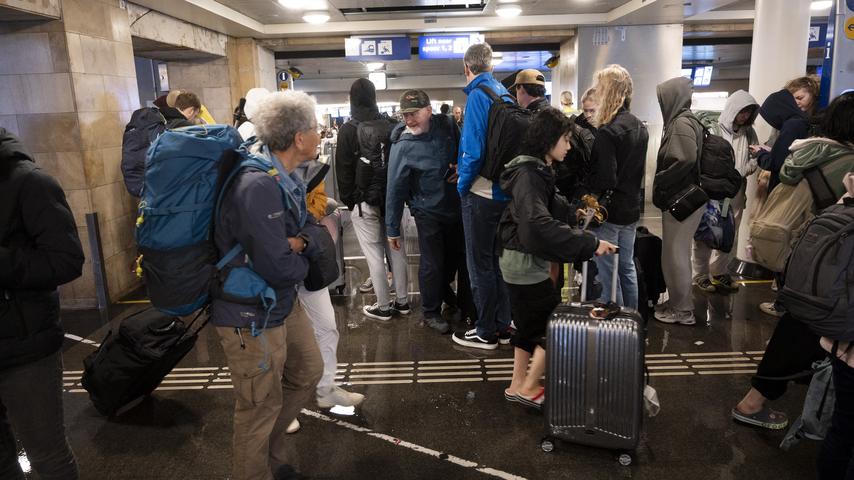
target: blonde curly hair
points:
(613, 90)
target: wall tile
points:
(89, 92)
(98, 55)
(86, 17)
(47, 93)
(112, 158)
(34, 26)
(124, 65)
(25, 53)
(10, 98)
(100, 129)
(10, 123)
(84, 287)
(218, 98)
(93, 166)
(75, 52)
(69, 170)
(59, 52)
(63, 128)
(119, 24)
(80, 205)
(133, 94)
(117, 96)
(106, 200)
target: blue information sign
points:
(817, 35)
(443, 47)
(377, 49)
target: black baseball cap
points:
(413, 100)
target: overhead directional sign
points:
(443, 47)
(377, 49)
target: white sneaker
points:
(670, 315)
(293, 427)
(331, 396)
(661, 307)
(770, 308)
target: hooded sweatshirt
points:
(39, 250)
(835, 160)
(676, 167)
(363, 107)
(740, 137)
(534, 228)
(253, 101)
(783, 114)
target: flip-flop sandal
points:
(765, 418)
(534, 402)
(510, 397)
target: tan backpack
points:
(778, 224)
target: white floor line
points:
(711, 354)
(82, 340)
(437, 362)
(439, 374)
(657, 362)
(185, 380)
(727, 372)
(668, 367)
(417, 448)
(367, 364)
(380, 382)
(493, 360)
(220, 387)
(450, 367)
(382, 375)
(670, 374)
(185, 387)
(661, 355)
(755, 352)
(725, 359)
(725, 365)
(450, 380)
(380, 369)
(499, 372)
(498, 379)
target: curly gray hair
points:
(281, 115)
(478, 58)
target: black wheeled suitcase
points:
(131, 364)
(595, 376)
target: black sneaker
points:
(706, 285)
(469, 338)
(505, 335)
(374, 311)
(401, 308)
(438, 323)
(724, 284)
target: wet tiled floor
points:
(436, 410)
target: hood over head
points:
(737, 102)
(12, 151)
(674, 97)
(253, 101)
(779, 107)
(363, 99)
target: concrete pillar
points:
(565, 76)
(651, 54)
(250, 66)
(779, 53)
(67, 89)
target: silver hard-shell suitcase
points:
(595, 376)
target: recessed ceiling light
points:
(316, 17)
(821, 5)
(303, 4)
(508, 11)
(372, 66)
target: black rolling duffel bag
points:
(132, 363)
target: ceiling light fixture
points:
(303, 4)
(508, 11)
(316, 17)
(821, 5)
(373, 66)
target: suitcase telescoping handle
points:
(614, 278)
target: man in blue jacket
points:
(421, 173)
(273, 356)
(482, 205)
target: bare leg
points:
(532, 385)
(520, 370)
(752, 402)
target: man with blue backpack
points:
(272, 353)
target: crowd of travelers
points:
(493, 239)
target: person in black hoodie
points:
(618, 160)
(781, 112)
(362, 187)
(39, 250)
(536, 236)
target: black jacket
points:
(617, 166)
(363, 107)
(174, 118)
(537, 219)
(39, 250)
(782, 113)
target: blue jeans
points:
(622, 236)
(491, 299)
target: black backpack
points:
(374, 143)
(572, 173)
(144, 126)
(819, 290)
(718, 176)
(505, 130)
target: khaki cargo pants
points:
(268, 399)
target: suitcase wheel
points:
(625, 459)
(548, 445)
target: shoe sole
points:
(676, 322)
(481, 345)
(511, 398)
(504, 341)
(330, 405)
(401, 312)
(528, 403)
(756, 423)
(376, 317)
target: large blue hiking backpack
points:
(178, 259)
